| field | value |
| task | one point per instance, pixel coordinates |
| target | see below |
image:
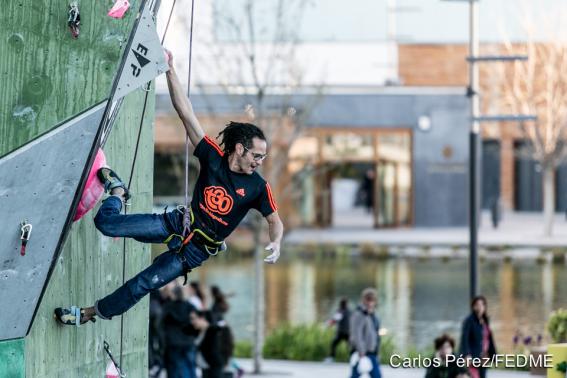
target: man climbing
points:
(227, 187)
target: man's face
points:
(370, 304)
(249, 159)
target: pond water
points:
(418, 299)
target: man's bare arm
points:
(182, 105)
(275, 230)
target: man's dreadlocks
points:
(237, 132)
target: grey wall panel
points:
(38, 183)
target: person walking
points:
(341, 319)
(364, 336)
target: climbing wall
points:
(47, 78)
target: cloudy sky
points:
(412, 21)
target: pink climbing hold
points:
(119, 8)
(111, 371)
(93, 189)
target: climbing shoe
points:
(71, 316)
(110, 180)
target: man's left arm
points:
(275, 230)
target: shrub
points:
(243, 349)
(313, 343)
(302, 342)
(557, 326)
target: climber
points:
(227, 187)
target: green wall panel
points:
(12, 359)
(46, 75)
(90, 267)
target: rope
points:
(126, 212)
(135, 158)
(186, 214)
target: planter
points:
(538, 354)
(559, 354)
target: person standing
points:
(476, 337)
(220, 305)
(179, 334)
(215, 344)
(364, 337)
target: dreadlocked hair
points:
(237, 132)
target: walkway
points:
(517, 230)
(297, 369)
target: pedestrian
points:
(341, 319)
(215, 344)
(444, 347)
(156, 343)
(364, 336)
(179, 334)
(195, 295)
(218, 310)
(367, 188)
(220, 305)
(228, 186)
(477, 340)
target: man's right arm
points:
(183, 106)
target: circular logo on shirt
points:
(218, 200)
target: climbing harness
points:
(25, 229)
(74, 19)
(198, 235)
(116, 365)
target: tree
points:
(538, 86)
(255, 57)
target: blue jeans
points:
(181, 362)
(374, 373)
(146, 228)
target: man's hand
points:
(275, 229)
(275, 255)
(168, 57)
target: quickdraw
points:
(74, 19)
(25, 229)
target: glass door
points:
(394, 179)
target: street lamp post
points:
(474, 137)
(474, 148)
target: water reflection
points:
(418, 299)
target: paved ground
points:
(295, 369)
(524, 230)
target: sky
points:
(410, 21)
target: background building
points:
(383, 92)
